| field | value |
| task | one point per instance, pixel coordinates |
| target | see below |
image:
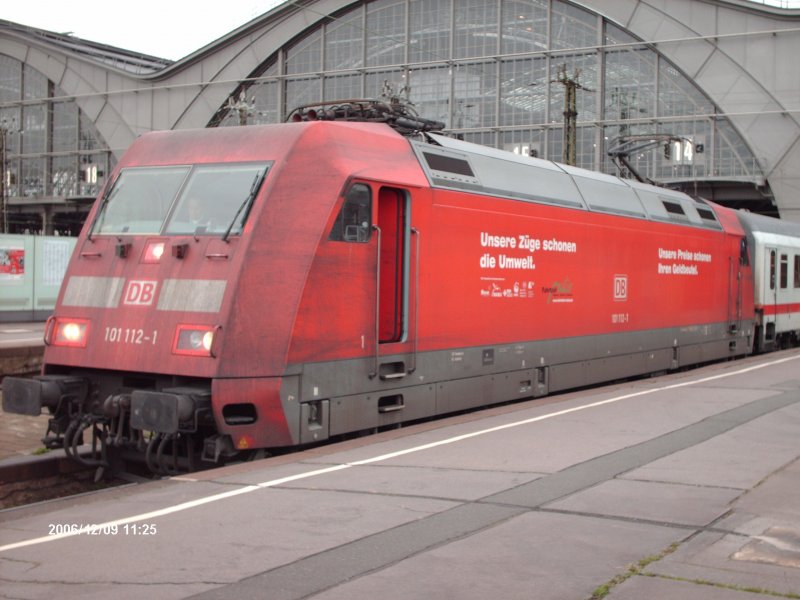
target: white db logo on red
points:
(140, 292)
(620, 287)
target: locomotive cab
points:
(145, 288)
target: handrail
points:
(414, 342)
(48, 330)
(375, 368)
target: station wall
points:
(31, 271)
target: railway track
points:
(28, 479)
(31, 479)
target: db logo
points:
(140, 292)
(620, 287)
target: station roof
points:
(125, 60)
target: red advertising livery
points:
(273, 286)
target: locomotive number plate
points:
(128, 335)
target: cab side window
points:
(354, 221)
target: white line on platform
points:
(376, 459)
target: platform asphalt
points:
(683, 487)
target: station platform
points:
(21, 350)
(682, 486)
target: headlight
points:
(153, 251)
(194, 340)
(69, 332)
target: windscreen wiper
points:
(105, 200)
(253, 191)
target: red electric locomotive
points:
(273, 286)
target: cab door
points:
(394, 330)
(394, 226)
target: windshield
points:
(185, 200)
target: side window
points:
(796, 271)
(784, 271)
(772, 269)
(354, 221)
